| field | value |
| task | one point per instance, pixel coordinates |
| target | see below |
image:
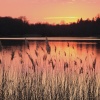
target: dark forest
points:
(19, 27)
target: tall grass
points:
(36, 84)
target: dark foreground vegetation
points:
(19, 27)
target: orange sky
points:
(51, 11)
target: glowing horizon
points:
(63, 19)
(50, 11)
(60, 17)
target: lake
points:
(76, 52)
(51, 61)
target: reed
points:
(35, 87)
(81, 70)
(65, 65)
(44, 57)
(52, 63)
(42, 49)
(27, 44)
(55, 49)
(44, 85)
(48, 48)
(20, 54)
(12, 55)
(37, 46)
(94, 64)
(36, 53)
(32, 61)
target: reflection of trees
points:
(13, 27)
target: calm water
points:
(63, 56)
(54, 67)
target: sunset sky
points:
(51, 11)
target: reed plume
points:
(37, 45)
(12, 55)
(0, 61)
(32, 61)
(79, 59)
(21, 61)
(73, 47)
(27, 43)
(81, 70)
(44, 57)
(65, 65)
(20, 54)
(68, 44)
(51, 61)
(42, 49)
(48, 48)
(55, 49)
(36, 53)
(94, 64)
(75, 63)
(64, 53)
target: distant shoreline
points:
(14, 27)
(52, 38)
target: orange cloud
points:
(61, 18)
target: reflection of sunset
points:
(75, 54)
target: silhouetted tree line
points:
(19, 27)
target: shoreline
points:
(53, 38)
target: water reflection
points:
(33, 69)
(70, 57)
